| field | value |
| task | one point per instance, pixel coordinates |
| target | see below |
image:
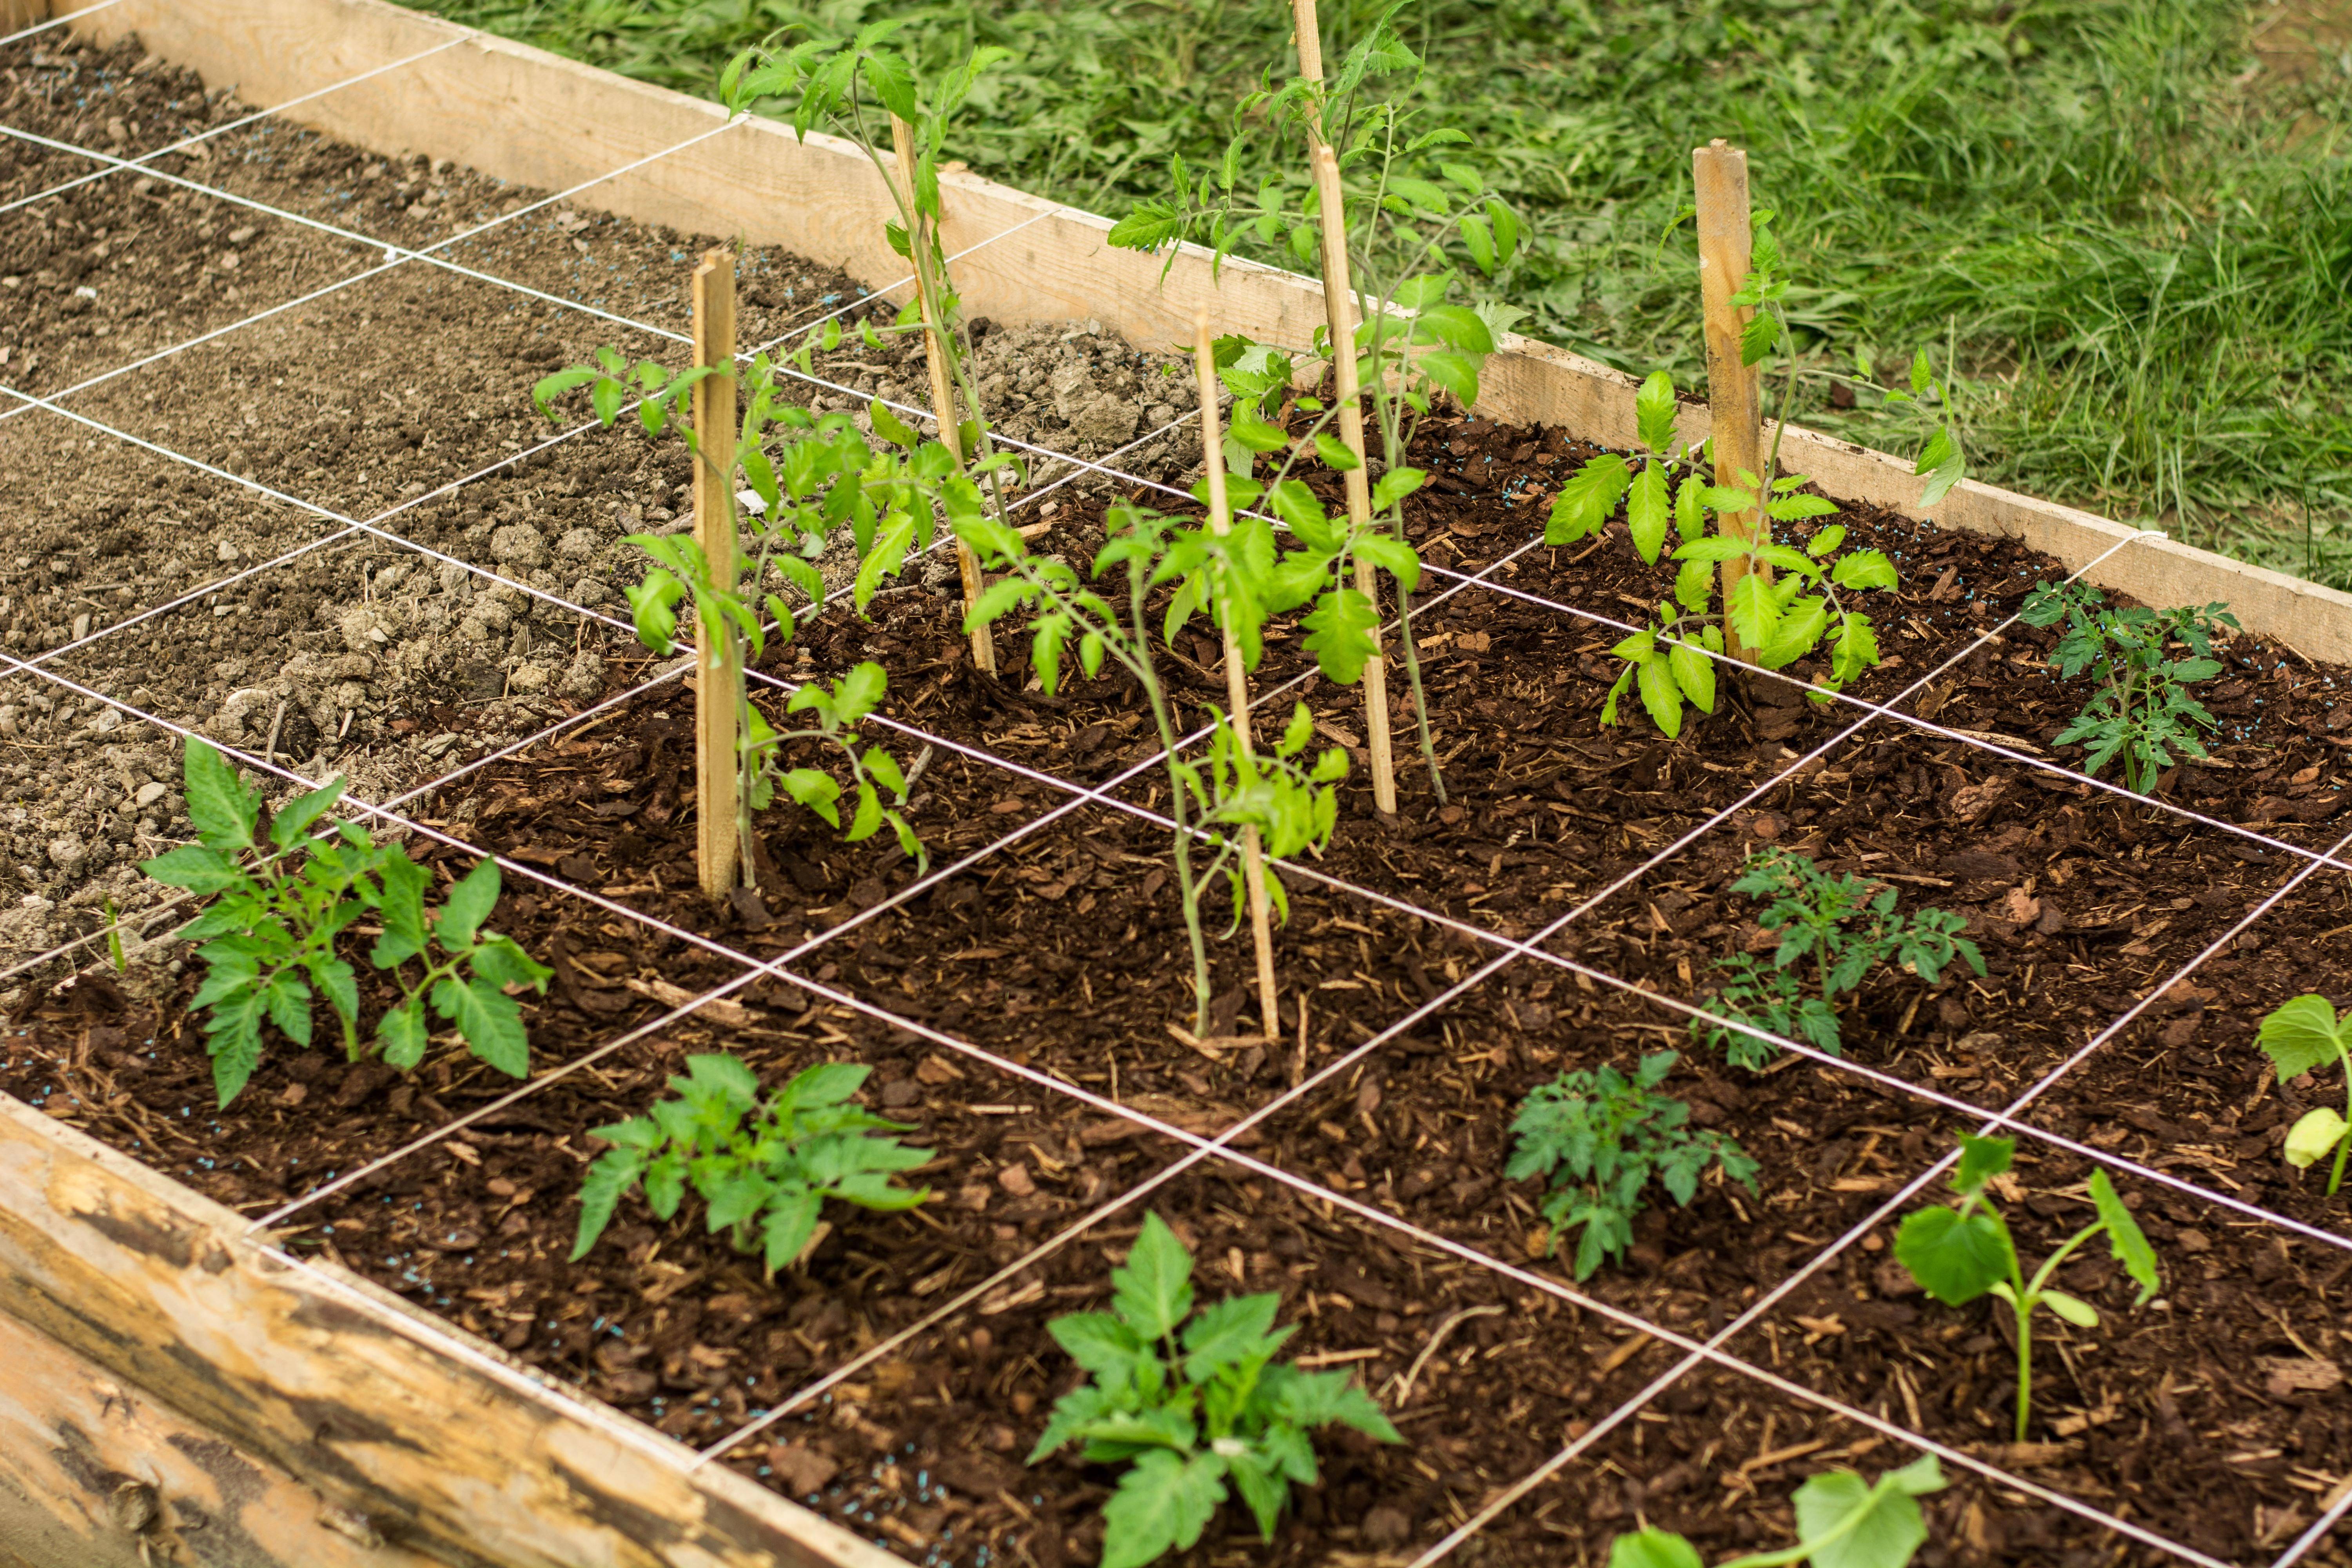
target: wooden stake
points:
(1237, 702)
(1735, 395)
(1339, 307)
(719, 680)
(943, 403)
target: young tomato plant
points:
(1192, 1406)
(281, 899)
(1842, 1521)
(1959, 1253)
(1845, 928)
(2300, 1036)
(1672, 662)
(1411, 210)
(1598, 1137)
(764, 1169)
(811, 474)
(1291, 801)
(857, 87)
(2142, 711)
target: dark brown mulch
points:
(1064, 954)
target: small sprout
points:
(1192, 1406)
(2142, 712)
(1847, 926)
(762, 1169)
(1841, 1522)
(2300, 1036)
(1598, 1137)
(1959, 1253)
(281, 898)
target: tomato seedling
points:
(1192, 1402)
(811, 475)
(2303, 1034)
(2142, 712)
(282, 897)
(1598, 1139)
(1959, 1253)
(1842, 1521)
(1847, 926)
(1292, 801)
(1411, 210)
(762, 1168)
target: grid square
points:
(375, 394)
(1715, 1457)
(2220, 1362)
(127, 266)
(104, 531)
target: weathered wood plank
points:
(415, 1432)
(90, 1471)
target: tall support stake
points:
(719, 680)
(1237, 702)
(1339, 307)
(1734, 390)
(919, 244)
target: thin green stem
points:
(2343, 1144)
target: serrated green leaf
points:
(1661, 695)
(1653, 1548)
(1864, 569)
(612, 1175)
(401, 1034)
(1162, 1505)
(1693, 671)
(490, 1020)
(1654, 407)
(1152, 1291)
(1646, 512)
(222, 808)
(1954, 1260)
(194, 868)
(470, 903)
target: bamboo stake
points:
(719, 683)
(1237, 702)
(1735, 391)
(935, 354)
(1339, 303)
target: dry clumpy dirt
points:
(392, 657)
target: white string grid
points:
(1206, 1147)
(776, 966)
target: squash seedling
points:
(2142, 711)
(764, 1169)
(1842, 1521)
(1192, 1402)
(281, 898)
(2300, 1036)
(1382, 208)
(1958, 1253)
(1598, 1139)
(1847, 927)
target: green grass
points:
(2140, 252)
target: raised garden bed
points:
(364, 577)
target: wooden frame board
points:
(338, 1424)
